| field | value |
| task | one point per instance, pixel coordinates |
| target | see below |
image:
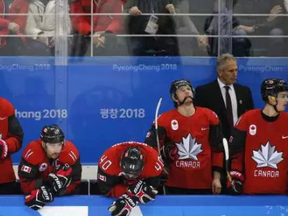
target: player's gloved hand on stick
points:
(3, 149)
(38, 198)
(123, 206)
(145, 193)
(235, 186)
(169, 151)
(55, 183)
(65, 176)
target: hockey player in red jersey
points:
(259, 144)
(189, 140)
(11, 138)
(49, 167)
(131, 172)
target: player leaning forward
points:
(259, 144)
(129, 171)
(190, 139)
(50, 166)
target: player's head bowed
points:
(132, 163)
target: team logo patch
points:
(189, 148)
(102, 178)
(174, 124)
(267, 156)
(252, 129)
(43, 167)
(26, 169)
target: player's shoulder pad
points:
(109, 162)
(164, 119)
(34, 152)
(153, 163)
(69, 153)
(212, 117)
(247, 115)
(6, 108)
(285, 114)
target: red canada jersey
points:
(193, 169)
(109, 168)
(35, 166)
(264, 160)
(11, 132)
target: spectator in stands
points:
(50, 166)
(104, 29)
(229, 26)
(189, 139)
(12, 25)
(286, 5)
(129, 171)
(185, 26)
(258, 145)
(11, 138)
(41, 25)
(151, 25)
(273, 25)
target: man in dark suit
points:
(226, 98)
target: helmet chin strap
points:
(274, 106)
(182, 102)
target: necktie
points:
(229, 107)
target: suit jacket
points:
(210, 96)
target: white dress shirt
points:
(233, 99)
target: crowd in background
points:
(144, 27)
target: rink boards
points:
(162, 206)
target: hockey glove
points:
(38, 198)
(145, 193)
(65, 175)
(123, 206)
(59, 181)
(235, 186)
(170, 152)
(55, 183)
(3, 149)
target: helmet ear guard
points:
(271, 87)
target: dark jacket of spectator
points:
(258, 7)
(137, 24)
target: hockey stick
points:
(226, 151)
(157, 135)
(156, 125)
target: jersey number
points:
(159, 164)
(104, 163)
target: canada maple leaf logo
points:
(267, 156)
(188, 148)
